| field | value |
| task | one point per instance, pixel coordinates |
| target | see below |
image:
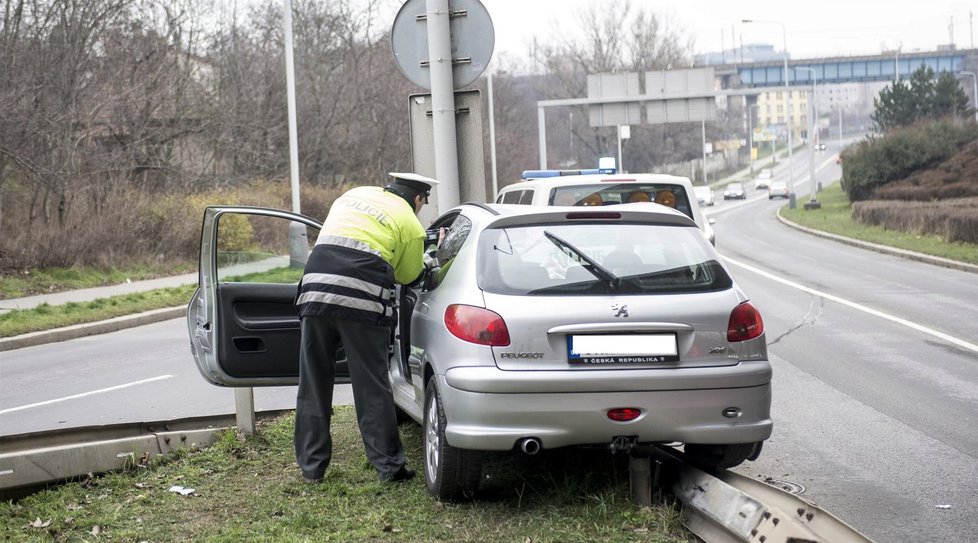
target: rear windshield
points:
(623, 193)
(593, 259)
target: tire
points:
(450, 473)
(719, 457)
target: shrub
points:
(875, 162)
(954, 220)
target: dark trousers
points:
(366, 352)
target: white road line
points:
(918, 327)
(82, 395)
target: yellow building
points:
(773, 109)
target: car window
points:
(667, 194)
(649, 259)
(512, 197)
(455, 236)
(256, 249)
(527, 197)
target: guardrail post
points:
(244, 410)
(640, 479)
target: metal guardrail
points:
(29, 461)
(732, 508)
(729, 508)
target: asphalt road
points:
(875, 386)
(140, 374)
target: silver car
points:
(543, 328)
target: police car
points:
(603, 187)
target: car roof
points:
(578, 180)
(524, 214)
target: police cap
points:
(413, 181)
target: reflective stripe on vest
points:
(347, 282)
(349, 243)
(344, 301)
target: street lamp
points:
(750, 135)
(974, 87)
(811, 137)
(784, 38)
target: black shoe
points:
(312, 480)
(403, 474)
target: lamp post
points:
(896, 65)
(811, 137)
(784, 39)
(974, 87)
(750, 135)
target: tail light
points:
(745, 323)
(476, 325)
(624, 414)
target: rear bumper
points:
(496, 420)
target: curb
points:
(90, 329)
(910, 255)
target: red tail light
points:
(624, 414)
(476, 325)
(745, 323)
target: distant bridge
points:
(861, 69)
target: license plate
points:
(622, 349)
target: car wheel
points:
(450, 473)
(770, 197)
(716, 457)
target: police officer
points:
(370, 239)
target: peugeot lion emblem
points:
(620, 310)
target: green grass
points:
(835, 217)
(17, 284)
(47, 317)
(250, 490)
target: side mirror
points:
(711, 220)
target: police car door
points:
(244, 329)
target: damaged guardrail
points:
(735, 508)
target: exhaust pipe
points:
(530, 445)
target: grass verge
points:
(250, 490)
(45, 281)
(49, 317)
(835, 217)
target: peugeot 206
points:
(541, 327)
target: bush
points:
(130, 227)
(953, 220)
(875, 162)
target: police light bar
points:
(537, 174)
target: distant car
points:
(592, 188)
(541, 328)
(704, 196)
(763, 179)
(820, 147)
(778, 189)
(734, 191)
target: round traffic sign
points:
(473, 39)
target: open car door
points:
(243, 324)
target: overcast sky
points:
(813, 27)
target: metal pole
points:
(705, 180)
(542, 136)
(492, 140)
(791, 169)
(620, 167)
(750, 138)
(443, 102)
(811, 134)
(896, 65)
(290, 89)
(974, 88)
(784, 38)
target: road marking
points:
(918, 327)
(83, 394)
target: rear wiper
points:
(593, 267)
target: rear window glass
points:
(597, 258)
(623, 193)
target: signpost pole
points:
(443, 102)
